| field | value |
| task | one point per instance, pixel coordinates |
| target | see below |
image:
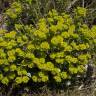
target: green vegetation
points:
(59, 46)
(45, 46)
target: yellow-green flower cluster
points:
(40, 77)
(14, 11)
(81, 11)
(80, 46)
(57, 40)
(12, 34)
(71, 59)
(23, 79)
(45, 45)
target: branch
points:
(83, 3)
(71, 4)
(91, 4)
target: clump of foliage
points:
(33, 10)
(57, 49)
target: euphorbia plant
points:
(57, 49)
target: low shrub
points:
(57, 49)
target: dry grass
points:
(85, 91)
(75, 92)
